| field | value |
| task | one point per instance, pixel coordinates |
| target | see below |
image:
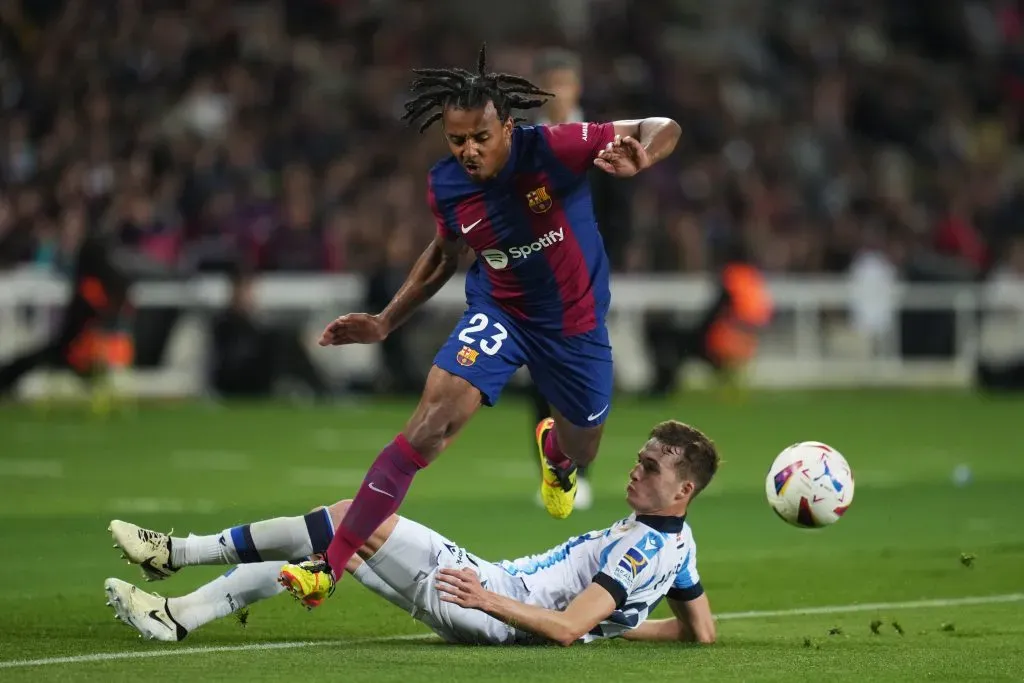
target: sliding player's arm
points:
(565, 627)
(435, 266)
(692, 623)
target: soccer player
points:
(603, 584)
(537, 293)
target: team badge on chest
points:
(540, 201)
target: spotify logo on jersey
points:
(495, 259)
(499, 260)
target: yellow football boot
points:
(557, 487)
(309, 582)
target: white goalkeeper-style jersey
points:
(638, 560)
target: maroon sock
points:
(378, 498)
(553, 452)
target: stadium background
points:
(853, 147)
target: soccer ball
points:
(809, 485)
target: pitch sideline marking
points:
(291, 645)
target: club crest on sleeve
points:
(467, 356)
(539, 200)
(651, 544)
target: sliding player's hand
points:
(623, 157)
(463, 587)
(354, 328)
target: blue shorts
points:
(573, 373)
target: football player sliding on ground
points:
(603, 584)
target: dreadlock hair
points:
(440, 88)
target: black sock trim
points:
(180, 631)
(319, 529)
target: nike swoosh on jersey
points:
(467, 228)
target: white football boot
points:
(146, 612)
(151, 550)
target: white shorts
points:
(409, 562)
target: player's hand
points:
(462, 587)
(623, 157)
(354, 328)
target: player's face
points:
(479, 139)
(654, 483)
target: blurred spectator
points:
(384, 281)
(1005, 371)
(874, 275)
(97, 300)
(203, 131)
(203, 134)
(253, 359)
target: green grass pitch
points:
(910, 536)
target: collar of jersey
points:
(663, 523)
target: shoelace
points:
(321, 567)
(563, 475)
(153, 536)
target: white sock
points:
(240, 586)
(281, 538)
(369, 578)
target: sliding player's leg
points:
(400, 562)
(171, 619)
(281, 538)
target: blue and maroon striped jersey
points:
(539, 254)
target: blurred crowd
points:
(201, 133)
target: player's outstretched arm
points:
(692, 623)
(638, 144)
(657, 135)
(432, 270)
(587, 610)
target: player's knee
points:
(436, 420)
(448, 403)
(587, 453)
(427, 431)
